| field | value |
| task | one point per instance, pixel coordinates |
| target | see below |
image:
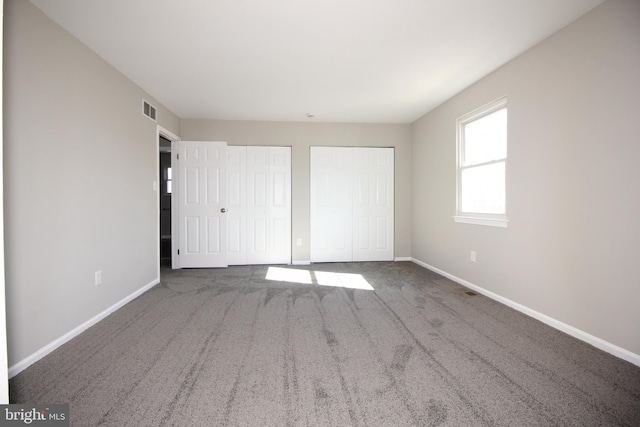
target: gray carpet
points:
(227, 347)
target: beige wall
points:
(573, 182)
(80, 160)
(300, 136)
(4, 385)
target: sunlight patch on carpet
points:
(342, 280)
(292, 275)
(322, 278)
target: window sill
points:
(491, 222)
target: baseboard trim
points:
(33, 358)
(403, 258)
(554, 323)
(300, 262)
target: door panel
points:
(279, 239)
(257, 210)
(382, 226)
(263, 225)
(331, 204)
(237, 211)
(373, 239)
(235, 246)
(192, 224)
(202, 196)
(213, 189)
(280, 205)
(259, 247)
(279, 189)
(269, 205)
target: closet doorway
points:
(352, 204)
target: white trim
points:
(481, 221)
(554, 323)
(175, 225)
(484, 110)
(168, 134)
(403, 258)
(300, 262)
(34, 357)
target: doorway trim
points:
(165, 133)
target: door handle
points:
(223, 210)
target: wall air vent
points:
(148, 110)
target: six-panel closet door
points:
(331, 204)
(352, 204)
(259, 215)
(201, 200)
(373, 205)
(237, 205)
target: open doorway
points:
(165, 180)
(167, 235)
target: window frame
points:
(479, 218)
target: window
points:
(167, 179)
(482, 164)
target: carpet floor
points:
(315, 346)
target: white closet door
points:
(352, 204)
(373, 206)
(257, 205)
(202, 199)
(331, 204)
(268, 205)
(237, 205)
(279, 236)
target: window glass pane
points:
(483, 189)
(485, 139)
(169, 173)
(168, 187)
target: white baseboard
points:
(33, 358)
(554, 323)
(403, 258)
(300, 262)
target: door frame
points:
(165, 133)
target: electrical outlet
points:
(299, 242)
(473, 256)
(98, 277)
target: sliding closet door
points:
(352, 204)
(373, 204)
(331, 204)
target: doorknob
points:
(223, 210)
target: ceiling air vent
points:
(148, 110)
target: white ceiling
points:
(387, 61)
